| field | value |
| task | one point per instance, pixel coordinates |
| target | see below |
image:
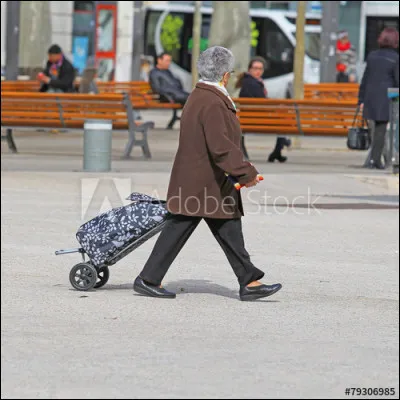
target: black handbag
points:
(358, 137)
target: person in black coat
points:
(59, 74)
(381, 73)
(165, 84)
(252, 85)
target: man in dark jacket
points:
(165, 84)
(59, 74)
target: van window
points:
(188, 39)
(268, 41)
(275, 47)
(150, 29)
(171, 37)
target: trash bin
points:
(97, 140)
(393, 158)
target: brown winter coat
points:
(209, 146)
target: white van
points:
(169, 28)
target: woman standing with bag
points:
(381, 73)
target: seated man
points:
(59, 74)
(165, 84)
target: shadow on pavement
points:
(186, 286)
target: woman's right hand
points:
(252, 183)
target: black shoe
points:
(140, 286)
(258, 292)
(376, 165)
(277, 156)
(281, 142)
(272, 157)
(281, 158)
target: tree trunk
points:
(35, 34)
(138, 39)
(196, 41)
(230, 28)
(298, 84)
(12, 39)
(329, 25)
(299, 52)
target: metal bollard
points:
(97, 139)
(393, 161)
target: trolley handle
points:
(69, 251)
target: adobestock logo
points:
(99, 195)
(267, 204)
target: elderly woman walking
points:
(209, 148)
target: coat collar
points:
(204, 86)
(248, 77)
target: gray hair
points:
(214, 63)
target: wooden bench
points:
(136, 89)
(331, 91)
(296, 117)
(125, 87)
(20, 86)
(70, 111)
(142, 88)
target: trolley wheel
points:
(103, 274)
(83, 276)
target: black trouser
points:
(178, 97)
(177, 231)
(378, 140)
(181, 98)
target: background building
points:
(101, 31)
(86, 31)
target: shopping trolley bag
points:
(106, 235)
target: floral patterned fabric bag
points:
(109, 233)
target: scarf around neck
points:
(221, 88)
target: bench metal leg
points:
(245, 153)
(133, 129)
(143, 143)
(173, 119)
(10, 140)
(130, 145)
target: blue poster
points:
(315, 7)
(80, 49)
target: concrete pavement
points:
(334, 324)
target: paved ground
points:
(323, 227)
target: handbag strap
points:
(364, 121)
(356, 115)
